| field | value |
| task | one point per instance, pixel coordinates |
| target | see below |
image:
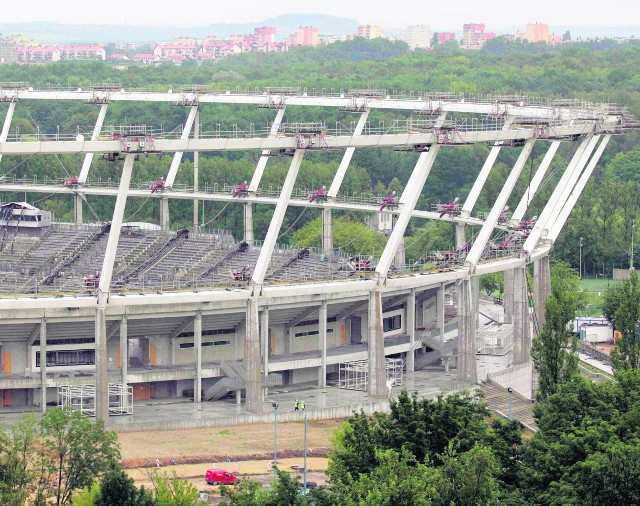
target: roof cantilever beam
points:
(177, 156)
(408, 201)
(472, 198)
(264, 157)
(266, 252)
(561, 192)
(559, 222)
(106, 273)
(346, 158)
(535, 182)
(492, 219)
(7, 124)
(88, 158)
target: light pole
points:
(581, 242)
(305, 451)
(275, 439)
(510, 390)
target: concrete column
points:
(264, 337)
(507, 299)
(164, 214)
(399, 258)
(467, 332)
(521, 331)
(77, 209)
(43, 365)
(102, 365)
(461, 235)
(440, 311)
(327, 231)
(197, 345)
(124, 349)
(411, 329)
(377, 369)
(254, 383)
(248, 222)
(542, 287)
(196, 170)
(322, 343)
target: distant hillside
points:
(285, 25)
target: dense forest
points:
(597, 71)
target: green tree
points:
(16, 471)
(86, 496)
(118, 489)
(622, 307)
(490, 283)
(350, 236)
(172, 491)
(72, 451)
(469, 478)
(554, 351)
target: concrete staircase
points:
(235, 378)
(497, 398)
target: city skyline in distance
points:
(497, 14)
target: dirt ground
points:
(220, 444)
(245, 450)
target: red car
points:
(220, 476)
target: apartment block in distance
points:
(419, 37)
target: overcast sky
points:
(388, 13)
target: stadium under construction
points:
(124, 312)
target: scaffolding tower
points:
(83, 398)
(354, 375)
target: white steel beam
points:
(196, 170)
(197, 345)
(535, 182)
(408, 201)
(454, 104)
(559, 222)
(25, 147)
(7, 123)
(561, 193)
(116, 223)
(472, 198)
(266, 252)
(88, 158)
(492, 219)
(264, 158)
(346, 158)
(177, 156)
(322, 344)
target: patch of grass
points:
(594, 291)
(224, 432)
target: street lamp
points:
(510, 390)
(275, 439)
(581, 242)
(305, 450)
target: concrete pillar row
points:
(252, 359)
(542, 287)
(164, 214)
(43, 365)
(77, 209)
(124, 349)
(440, 293)
(248, 222)
(468, 295)
(327, 231)
(521, 330)
(322, 338)
(411, 329)
(508, 296)
(197, 341)
(377, 369)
